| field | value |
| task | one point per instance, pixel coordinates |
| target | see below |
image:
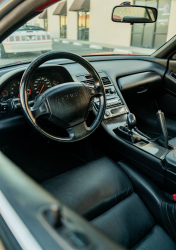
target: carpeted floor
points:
(43, 160)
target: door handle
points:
(142, 90)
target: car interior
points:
(91, 162)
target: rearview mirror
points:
(134, 14)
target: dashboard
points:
(42, 80)
(49, 75)
(13, 126)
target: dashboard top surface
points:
(114, 65)
(116, 60)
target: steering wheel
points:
(66, 105)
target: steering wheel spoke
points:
(40, 107)
(77, 131)
(95, 91)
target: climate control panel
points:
(114, 104)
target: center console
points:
(154, 158)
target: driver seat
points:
(125, 205)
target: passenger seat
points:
(125, 205)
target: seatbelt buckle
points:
(174, 197)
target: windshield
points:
(85, 27)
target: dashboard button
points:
(107, 113)
(3, 108)
(112, 90)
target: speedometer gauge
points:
(41, 84)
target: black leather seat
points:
(127, 207)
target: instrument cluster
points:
(37, 85)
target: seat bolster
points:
(157, 239)
(162, 210)
(128, 222)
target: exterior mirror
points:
(127, 13)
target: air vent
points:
(89, 80)
(173, 74)
(105, 80)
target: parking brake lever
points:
(162, 139)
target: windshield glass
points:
(85, 27)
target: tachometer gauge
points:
(14, 89)
(4, 95)
(41, 84)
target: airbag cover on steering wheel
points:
(68, 103)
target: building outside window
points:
(61, 10)
(152, 35)
(72, 21)
(44, 16)
(63, 26)
(83, 25)
(46, 24)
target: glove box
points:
(141, 85)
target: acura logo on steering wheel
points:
(68, 96)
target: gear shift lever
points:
(131, 121)
(162, 139)
(126, 131)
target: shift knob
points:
(131, 121)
